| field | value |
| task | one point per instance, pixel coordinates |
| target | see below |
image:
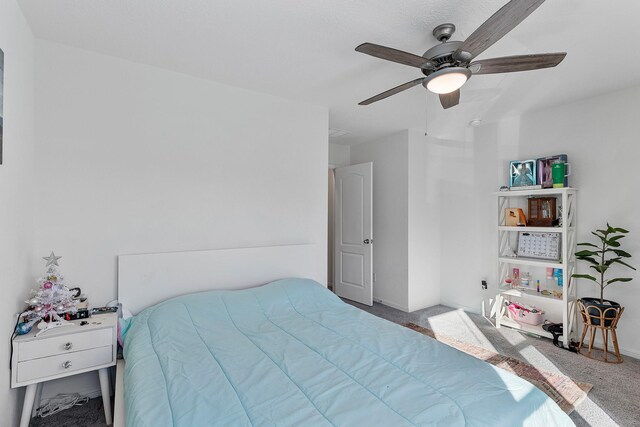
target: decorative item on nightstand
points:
(542, 211)
(82, 304)
(51, 301)
(599, 313)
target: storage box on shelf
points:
(558, 309)
(541, 211)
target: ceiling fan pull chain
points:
(426, 114)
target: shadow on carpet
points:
(566, 392)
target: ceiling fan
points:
(448, 66)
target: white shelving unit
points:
(566, 198)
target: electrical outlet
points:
(374, 277)
(484, 284)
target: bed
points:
(291, 353)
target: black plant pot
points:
(593, 304)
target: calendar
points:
(539, 245)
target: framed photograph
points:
(544, 170)
(522, 173)
(1, 100)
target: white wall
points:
(470, 172)
(390, 216)
(339, 155)
(406, 215)
(135, 159)
(601, 137)
(423, 224)
(16, 186)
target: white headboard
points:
(147, 279)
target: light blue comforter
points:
(291, 353)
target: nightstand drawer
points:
(63, 363)
(45, 347)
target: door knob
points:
(67, 364)
(367, 241)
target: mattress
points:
(291, 353)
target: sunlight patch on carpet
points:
(566, 392)
(442, 323)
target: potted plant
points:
(602, 257)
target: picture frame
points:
(523, 173)
(544, 170)
(514, 217)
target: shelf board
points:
(530, 229)
(540, 192)
(531, 261)
(536, 330)
(530, 293)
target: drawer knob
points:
(68, 346)
(67, 364)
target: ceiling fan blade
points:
(396, 55)
(510, 64)
(393, 91)
(494, 28)
(451, 99)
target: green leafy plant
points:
(603, 256)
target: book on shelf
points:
(526, 187)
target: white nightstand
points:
(61, 353)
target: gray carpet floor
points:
(614, 399)
(91, 414)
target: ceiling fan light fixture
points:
(447, 80)
(447, 66)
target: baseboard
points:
(93, 394)
(85, 384)
(391, 304)
(629, 352)
(475, 310)
(625, 351)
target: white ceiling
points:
(304, 50)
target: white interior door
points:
(353, 269)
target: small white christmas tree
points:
(52, 299)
